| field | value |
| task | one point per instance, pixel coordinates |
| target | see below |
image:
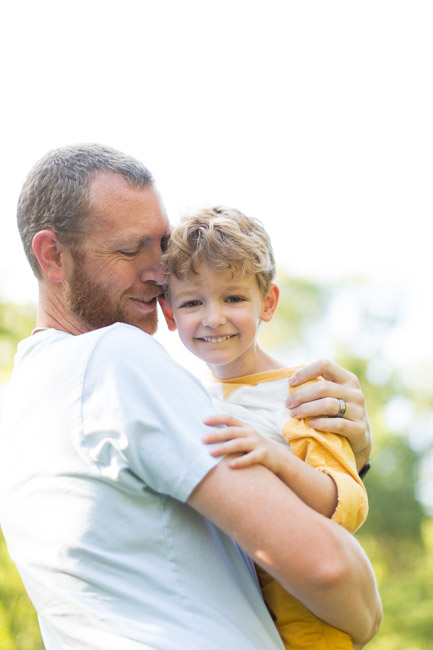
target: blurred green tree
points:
(16, 322)
(19, 629)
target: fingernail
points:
(293, 380)
(289, 401)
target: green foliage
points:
(301, 303)
(16, 322)
(395, 514)
(19, 629)
(405, 575)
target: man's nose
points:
(152, 270)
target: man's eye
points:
(129, 253)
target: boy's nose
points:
(214, 317)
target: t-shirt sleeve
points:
(142, 416)
(332, 455)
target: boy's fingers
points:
(243, 461)
(222, 418)
(234, 446)
(228, 433)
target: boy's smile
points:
(217, 313)
(217, 339)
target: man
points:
(117, 517)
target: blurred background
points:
(314, 117)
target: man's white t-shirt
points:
(100, 447)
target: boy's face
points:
(218, 314)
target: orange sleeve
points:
(333, 455)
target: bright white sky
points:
(315, 117)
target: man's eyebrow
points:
(135, 242)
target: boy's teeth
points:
(220, 339)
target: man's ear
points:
(168, 314)
(49, 253)
(270, 302)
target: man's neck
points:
(51, 313)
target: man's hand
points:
(319, 401)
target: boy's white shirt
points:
(262, 408)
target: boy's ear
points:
(270, 302)
(168, 314)
(49, 253)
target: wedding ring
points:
(342, 409)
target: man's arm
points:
(315, 559)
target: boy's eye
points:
(191, 303)
(234, 299)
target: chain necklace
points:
(39, 329)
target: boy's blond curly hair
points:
(223, 238)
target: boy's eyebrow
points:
(229, 288)
(184, 292)
(237, 285)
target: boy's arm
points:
(321, 471)
(331, 455)
(315, 559)
(316, 489)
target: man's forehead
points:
(114, 202)
(104, 182)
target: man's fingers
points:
(353, 429)
(322, 390)
(322, 368)
(315, 399)
(329, 407)
(356, 433)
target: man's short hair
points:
(223, 238)
(55, 195)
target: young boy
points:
(220, 271)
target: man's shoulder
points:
(122, 334)
(125, 342)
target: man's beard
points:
(92, 302)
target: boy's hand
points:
(319, 401)
(239, 438)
